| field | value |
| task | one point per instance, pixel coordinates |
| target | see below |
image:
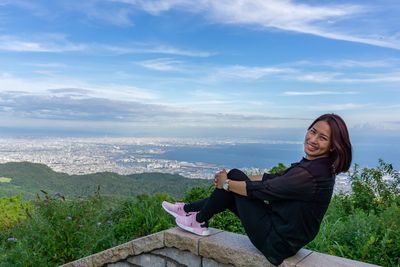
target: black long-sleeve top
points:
(298, 199)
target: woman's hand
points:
(256, 177)
(220, 178)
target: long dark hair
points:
(341, 151)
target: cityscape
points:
(90, 155)
(124, 156)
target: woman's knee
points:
(237, 175)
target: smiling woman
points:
(5, 180)
(280, 212)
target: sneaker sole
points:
(170, 212)
(190, 229)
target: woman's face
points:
(317, 142)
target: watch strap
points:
(225, 186)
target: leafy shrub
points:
(61, 230)
(13, 210)
(198, 193)
(278, 168)
(375, 189)
(58, 232)
(364, 224)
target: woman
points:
(282, 212)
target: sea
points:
(261, 155)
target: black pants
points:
(253, 213)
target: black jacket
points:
(298, 199)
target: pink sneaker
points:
(188, 222)
(174, 209)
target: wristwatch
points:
(225, 185)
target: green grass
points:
(60, 231)
(363, 236)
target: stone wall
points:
(174, 247)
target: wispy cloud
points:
(249, 72)
(161, 64)
(360, 78)
(336, 107)
(323, 72)
(328, 21)
(103, 10)
(59, 43)
(74, 104)
(107, 91)
(148, 48)
(155, 7)
(361, 23)
(390, 77)
(346, 63)
(51, 43)
(19, 3)
(315, 93)
(45, 65)
(345, 78)
(210, 96)
(316, 77)
(68, 107)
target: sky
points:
(212, 68)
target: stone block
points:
(294, 260)
(177, 248)
(148, 243)
(83, 262)
(182, 257)
(147, 260)
(172, 264)
(183, 240)
(212, 263)
(318, 259)
(113, 254)
(231, 248)
(120, 264)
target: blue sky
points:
(180, 67)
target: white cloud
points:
(108, 91)
(249, 72)
(362, 23)
(346, 78)
(161, 64)
(336, 107)
(347, 63)
(311, 93)
(390, 77)
(210, 96)
(111, 14)
(370, 40)
(19, 3)
(51, 43)
(58, 43)
(329, 21)
(282, 14)
(317, 77)
(156, 7)
(46, 65)
(325, 72)
(143, 48)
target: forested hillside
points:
(29, 178)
